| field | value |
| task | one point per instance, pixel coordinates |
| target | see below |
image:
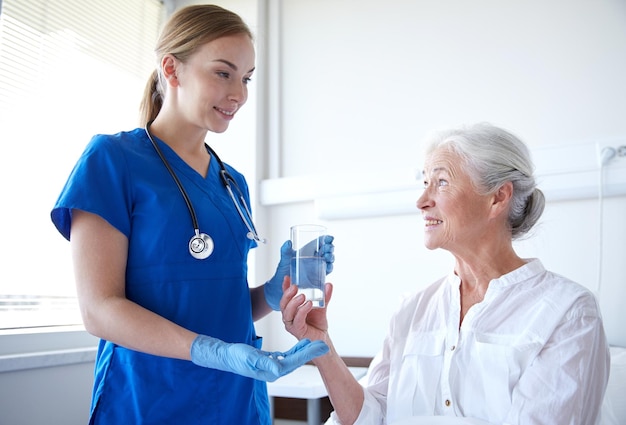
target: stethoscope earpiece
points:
(253, 237)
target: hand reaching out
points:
(251, 362)
(300, 318)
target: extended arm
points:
(108, 314)
(302, 321)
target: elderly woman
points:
(500, 339)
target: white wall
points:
(362, 81)
(46, 376)
(53, 395)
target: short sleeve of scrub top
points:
(100, 169)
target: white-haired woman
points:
(499, 339)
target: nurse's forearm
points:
(129, 325)
(260, 308)
(344, 391)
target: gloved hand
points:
(245, 360)
(274, 287)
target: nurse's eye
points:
(247, 80)
(223, 74)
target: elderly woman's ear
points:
(502, 199)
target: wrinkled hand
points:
(245, 360)
(300, 318)
(273, 288)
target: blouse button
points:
(447, 403)
(453, 348)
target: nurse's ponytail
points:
(152, 100)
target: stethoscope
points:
(201, 245)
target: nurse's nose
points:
(238, 93)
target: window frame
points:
(62, 309)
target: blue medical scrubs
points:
(122, 179)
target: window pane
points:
(68, 69)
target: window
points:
(68, 69)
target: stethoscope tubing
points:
(201, 244)
(192, 211)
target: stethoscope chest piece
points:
(201, 245)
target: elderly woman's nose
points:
(423, 200)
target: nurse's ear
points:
(169, 67)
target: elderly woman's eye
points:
(442, 182)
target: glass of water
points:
(308, 268)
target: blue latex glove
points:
(274, 287)
(245, 360)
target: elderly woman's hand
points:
(300, 318)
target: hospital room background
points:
(343, 93)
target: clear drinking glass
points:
(308, 268)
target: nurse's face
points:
(455, 215)
(213, 82)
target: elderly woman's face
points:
(455, 215)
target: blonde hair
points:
(185, 31)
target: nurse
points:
(499, 339)
(160, 231)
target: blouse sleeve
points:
(99, 184)
(567, 381)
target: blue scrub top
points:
(122, 179)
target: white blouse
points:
(532, 352)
